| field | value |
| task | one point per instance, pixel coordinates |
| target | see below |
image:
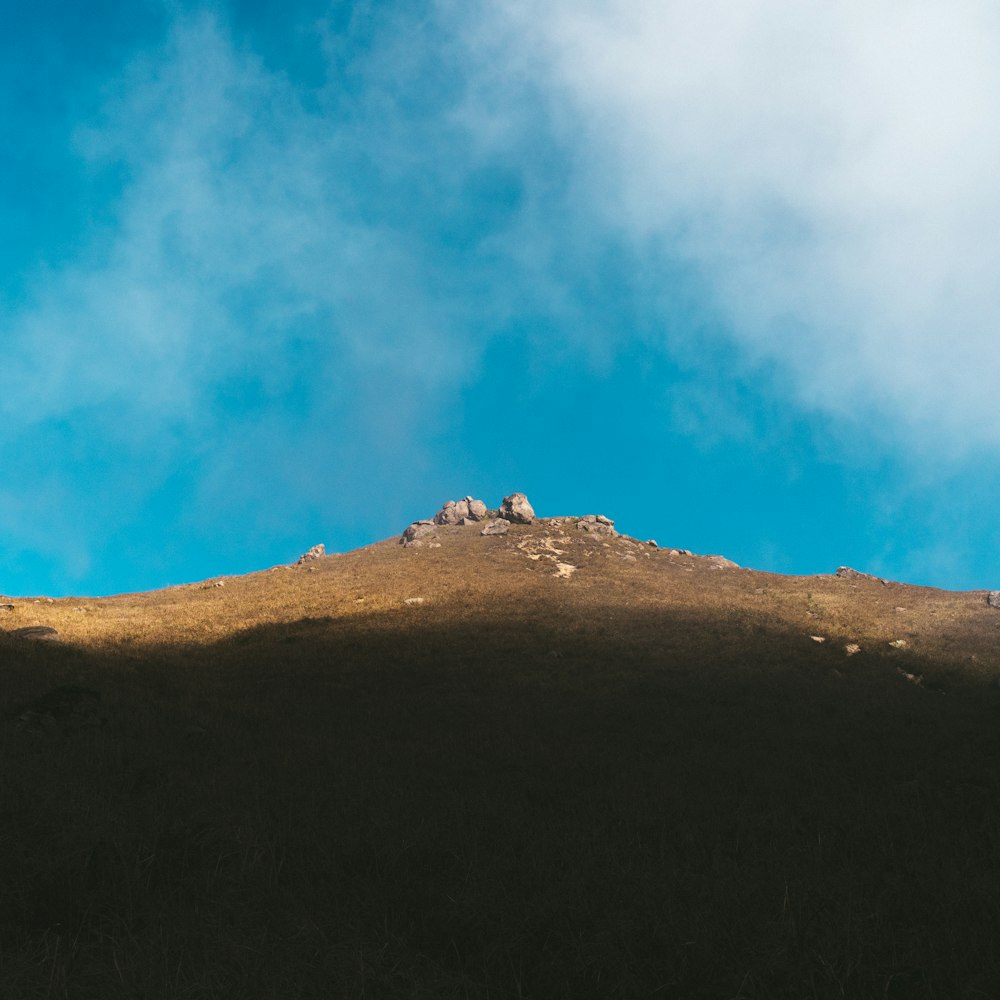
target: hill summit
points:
(541, 761)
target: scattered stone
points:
(418, 533)
(652, 542)
(818, 638)
(720, 562)
(597, 524)
(852, 648)
(846, 573)
(993, 599)
(316, 552)
(6, 608)
(912, 678)
(65, 709)
(498, 527)
(516, 509)
(898, 644)
(35, 632)
(414, 601)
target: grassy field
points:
(638, 778)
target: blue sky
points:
(280, 275)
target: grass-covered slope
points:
(637, 777)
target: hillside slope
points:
(543, 764)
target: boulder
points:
(418, 533)
(597, 524)
(993, 599)
(477, 509)
(720, 562)
(35, 632)
(456, 511)
(316, 552)
(516, 509)
(449, 513)
(500, 526)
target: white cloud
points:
(830, 169)
(234, 233)
(252, 298)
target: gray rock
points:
(516, 509)
(418, 533)
(35, 632)
(846, 573)
(498, 527)
(466, 521)
(993, 599)
(477, 509)
(448, 514)
(316, 552)
(597, 524)
(720, 562)
(456, 511)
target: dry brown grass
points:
(642, 778)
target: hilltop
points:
(553, 569)
(545, 761)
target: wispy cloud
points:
(828, 170)
(261, 294)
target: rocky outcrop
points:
(597, 524)
(499, 526)
(846, 573)
(993, 599)
(516, 509)
(316, 552)
(460, 511)
(418, 533)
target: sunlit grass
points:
(645, 780)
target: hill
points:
(548, 763)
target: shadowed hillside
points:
(547, 764)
